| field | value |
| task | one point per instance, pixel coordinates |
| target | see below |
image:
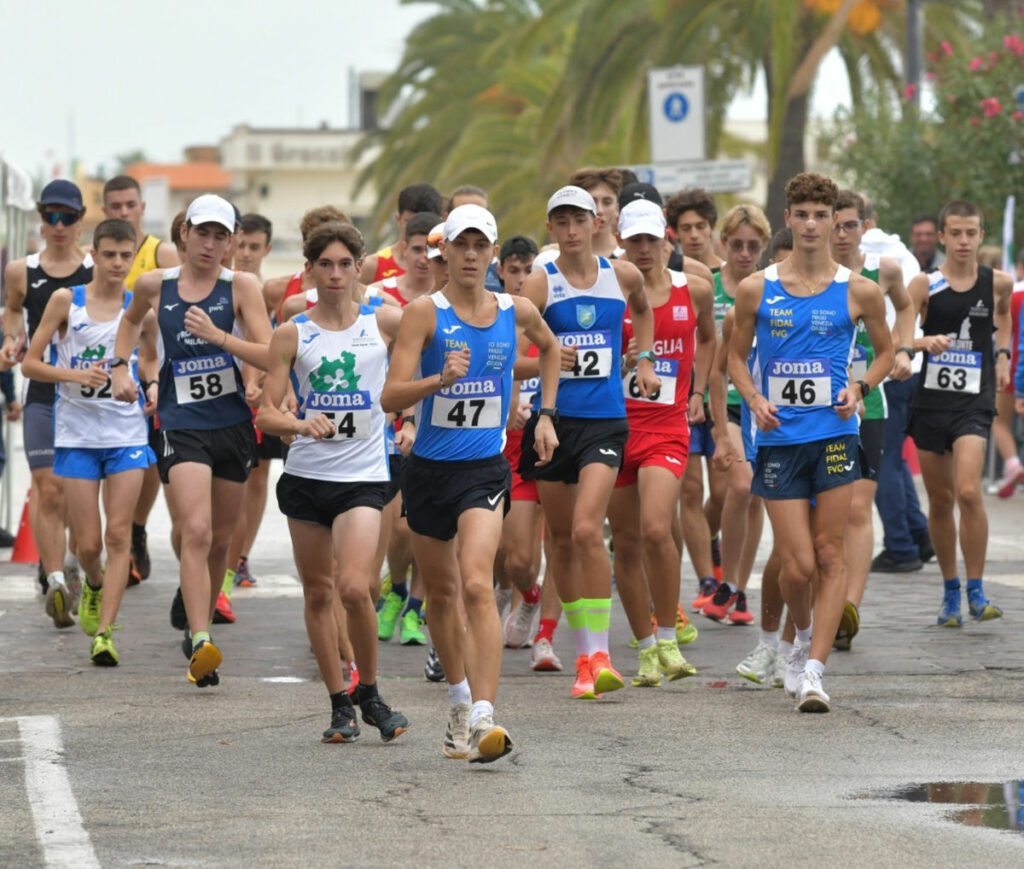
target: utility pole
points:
(915, 48)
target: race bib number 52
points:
(800, 382)
(203, 378)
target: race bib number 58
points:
(800, 382)
(203, 378)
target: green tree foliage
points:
(969, 144)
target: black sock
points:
(339, 700)
(138, 531)
(364, 692)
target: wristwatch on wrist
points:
(549, 411)
(864, 388)
(646, 354)
(117, 362)
(908, 350)
(1002, 350)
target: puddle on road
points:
(999, 805)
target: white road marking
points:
(18, 587)
(283, 680)
(272, 585)
(58, 823)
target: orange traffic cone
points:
(25, 551)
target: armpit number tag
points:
(800, 382)
(351, 413)
(203, 378)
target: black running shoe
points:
(378, 714)
(432, 670)
(344, 726)
(179, 620)
(925, 550)
(44, 583)
(885, 563)
(6, 539)
(186, 644)
(140, 553)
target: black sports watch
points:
(864, 388)
(549, 411)
(908, 350)
(1006, 350)
(117, 361)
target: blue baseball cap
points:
(62, 192)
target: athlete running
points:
(336, 474)
(389, 261)
(583, 298)
(961, 305)
(98, 438)
(803, 313)
(207, 443)
(642, 509)
(29, 282)
(454, 357)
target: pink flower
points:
(976, 64)
(909, 92)
(974, 122)
(991, 107)
(930, 75)
(946, 47)
(1018, 115)
(1014, 43)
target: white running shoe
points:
(779, 675)
(502, 600)
(488, 741)
(58, 605)
(456, 735)
(544, 658)
(812, 696)
(795, 667)
(519, 626)
(759, 665)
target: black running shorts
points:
(436, 494)
(230, 451)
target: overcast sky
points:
(96, 79)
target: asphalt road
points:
(133, 766)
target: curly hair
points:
(811, 187)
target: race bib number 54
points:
(350, 413)
(800, 382)
(203, 378)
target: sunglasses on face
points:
(736, 245)
(61, 217)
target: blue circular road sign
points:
(676, 106)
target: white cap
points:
(577, 197)
(470, 217)
(642, 217)
(211, 208)
(435, 236)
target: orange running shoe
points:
(606, 677)
(222, 612)
(741, 615)
(583, 687)
(718, 607)
(708, 587)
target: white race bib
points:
(79, 391)
(954, 371)
(800, 382)
(667, 371)
(593, 354)
(528, 390)
(473, 403)
(858, 363)
(349, 411)
(203, 378)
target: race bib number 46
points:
(800, 382)
(593, 354)
(954, 371)
(473, 403)
(350, 412)
(668, 373)
(203, 378)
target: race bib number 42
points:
(203, 378)
(668, 373)
(954, 371)
(350, 412)
(800, 382)
(593, 354)
(473, 403)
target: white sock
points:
(785, 649)
(646, 643)
(481, 709)
(813, 666)
(733, 588)
(770, 638)
(803, 635)
(56, 578)
(459, 693)
(665, 633)
(1010, 466)
(597, 641)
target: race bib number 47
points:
(800, 382)
(954, 371)
(668, 373)
(473, 403)
(593, 354)
(203, 378)
(350, 412)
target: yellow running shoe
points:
(686, 631)
(671, 661)
(89, 608)
(102, 651)
(648, 674)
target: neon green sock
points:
(228, 584)
(575, 616)
(199, 637)
(598, 614)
